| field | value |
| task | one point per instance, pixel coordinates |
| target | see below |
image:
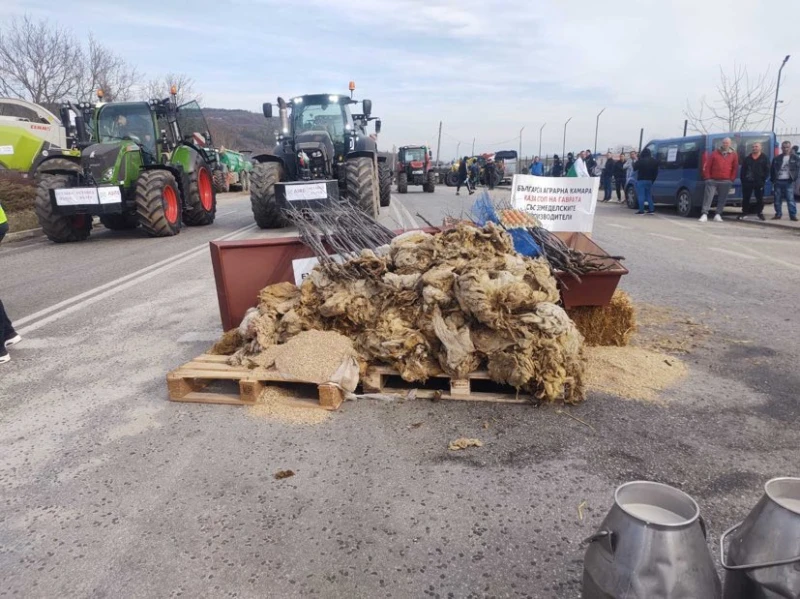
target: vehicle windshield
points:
(126, 121)
(415, 154)
(331, 117)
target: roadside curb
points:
(769, 225)
(23, 235)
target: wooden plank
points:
(196, 365)
(211, 358)
(459, 388)
(372, 382)
(330, 397)
(215, 398)
(178, 386)
(487, 397)
(249, 390)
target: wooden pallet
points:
(187, 383)
(382, 379)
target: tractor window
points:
(192, 124)
(415, 155)
(127, 121)
(321, 117)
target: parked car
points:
(680, 180)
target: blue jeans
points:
(644, 193)
(783, 189)
(606, 187)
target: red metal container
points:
(243, 268)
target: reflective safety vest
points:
(3, 218)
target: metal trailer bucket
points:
(764, 555)
(651, 545)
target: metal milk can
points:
(764, 554)
(651, 545)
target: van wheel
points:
(630, 197)
(684, 204)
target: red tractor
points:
(415, 167)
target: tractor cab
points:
(415, 167)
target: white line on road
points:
(411, 219)
(732, 253)
(617, 226)
(398, 218)
(670, 237)
(88, 297)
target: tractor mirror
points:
(267, 108)
(367, 107)
(378, 126)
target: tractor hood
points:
(417, 164)
(101, 157)
(315, 140)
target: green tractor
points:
(149, 164)
(234, 172)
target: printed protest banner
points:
(559, 203)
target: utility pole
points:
(597, 128)
(458, 156)
(641, 138)
(473, 147)
(685, 126)
(777, 89)
(439, 143)
(564, 146)
(519, 156)
(540, 141)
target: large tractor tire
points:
(451, 179)
(430, 183)
(58, 228)
(200, 202)
(385, 172)
(267, 212)
(244, 177)
(402, 183)
(361, 180)
(158, 205)
(119, 222)
(221, 182)
(57, 164)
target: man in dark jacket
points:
(463, 178)
(755, 170)
(619, 175)
(591, 163)
(784, 172)
(558, 168)
(608, 174)
(646, 173)
(570, 162)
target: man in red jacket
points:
(719, 172)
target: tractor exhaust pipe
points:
(284, 115)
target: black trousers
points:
(619, 183)
(6, 328)
(748, 190)
(3, 230)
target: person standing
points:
(784, 172)
(755, 170)
(8, 336)
(619, 176)
(558, 168)
(537, 168)
(489, 173)
(590, 162)
(568, 166)
(719, 171)
(474, 175)
(646, 173)
(463, 178)
(3, 223)
(608, 175)
(632, 158)
(581, 169)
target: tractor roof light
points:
(352, 86)
(333, 98)
(100, 94)
(297, 100)
(173, 90)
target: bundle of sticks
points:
(338, 233)
(564, 258)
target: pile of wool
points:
(453, 302)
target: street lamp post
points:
(473, 147)
(777, 89)
(597, 128)
(458, 145)
(540, 141)
(564, 146)
(519, 155)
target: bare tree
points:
(742, 103)
(38, 62)
(103, 69)
(160, 88)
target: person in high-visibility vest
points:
(3, 223)
(8, 336)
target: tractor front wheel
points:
(360, 181)
(200, 207)
(221, 181)
(430, 182)
(158, 204)
(385, 173)
(402, 183)
(60, 228)
(267, 212)
(119, 222)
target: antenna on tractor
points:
(352, 87)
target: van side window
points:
(668, 156)
(689, 155)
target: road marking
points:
(617, 226)
(87, 298)
(25, 246)
(732, 253)
(398, 218)
(670, 237)
(411, 219)
(227, 213)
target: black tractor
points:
(323, 155)
(414, 167)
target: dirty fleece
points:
(453, 302)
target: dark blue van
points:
(680, 174)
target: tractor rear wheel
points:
(200, 204)
(430, 182)
(361, 180)
(221, 181)
(60, 228)
(451, 179)
(385, 172)
(267, 212)
(158, 204)
(119, 222)
(402, 183)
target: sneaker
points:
(4, 357)
(651, 212)
(794, 218)
(704, 218)
(762, 217)
(717, 218)
(458, 194)
(13, 340)
(741, 217)
(776, 217)
(640, 212)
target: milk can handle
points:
(604, 534)
(780, 562)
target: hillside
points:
(240, 129)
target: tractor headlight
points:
(108, 173)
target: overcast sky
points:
(485, 68)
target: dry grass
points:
(22, 220)
(16, 197)
(613, 324)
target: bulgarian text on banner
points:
(559, 203)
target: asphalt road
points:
(109, 490)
